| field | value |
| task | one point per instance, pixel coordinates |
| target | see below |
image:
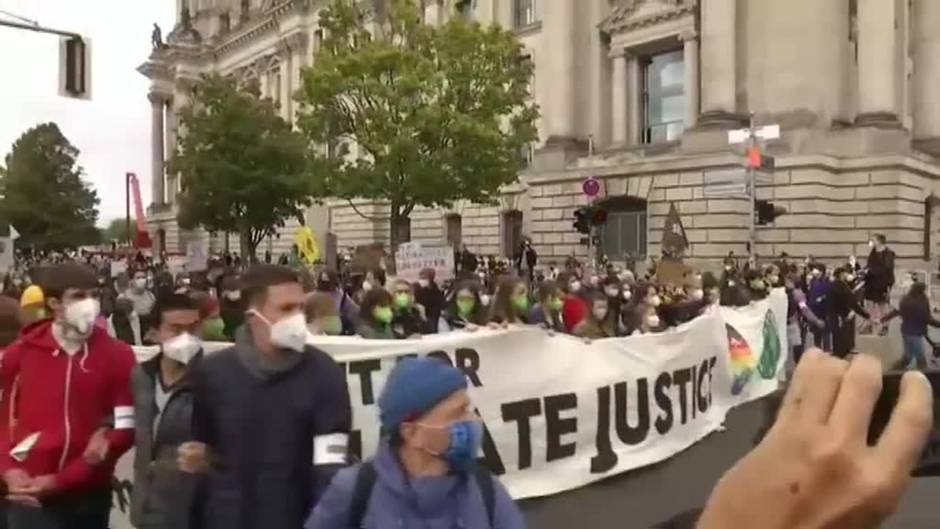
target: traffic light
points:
(582, 222)
(75, 67)
(766, 212)
(599, 217)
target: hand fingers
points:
(793, 399)
(860, 389)
(823, 375)
(904, 438)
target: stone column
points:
(877, 69)
(926, 38)
(157, 101)
(619, 97)
(561, 111)
(634, 102)
(287, 83)
(170, 128)
(719, 63)
(690, 59)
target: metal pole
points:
(127, 207)
(752, 181)
(39, 29)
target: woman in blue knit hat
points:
(424, 473)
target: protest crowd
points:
(256, 435)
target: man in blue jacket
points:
(424, 473)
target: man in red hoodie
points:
(63, 380)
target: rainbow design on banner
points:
(742, 360)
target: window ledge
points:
(528, 29)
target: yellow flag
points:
(307, 245)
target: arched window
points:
(625, 233)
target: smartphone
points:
(929, 464)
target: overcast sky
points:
(112, 131)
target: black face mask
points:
(326, 286)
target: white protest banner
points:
(413, 257)
(560, 413)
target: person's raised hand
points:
(815, 470)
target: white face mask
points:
(652, 321)
(611, 292)
(182, 348)
(485, 300)
(871, 244)
(366, 286)
(234, 295)
(595, 280)
(81, 315)
(627, 294)
(140, 283)
(575, 286)
(656, 301)
(698, 294)
(288, 333)
(816, 272)
(424, 283)
(600, 313)
(849, 278)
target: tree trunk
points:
(245, 246)
(393, 236)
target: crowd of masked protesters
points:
(257, 435)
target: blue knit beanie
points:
(415, 386)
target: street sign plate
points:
(739, 135)
(767, 132)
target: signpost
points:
(752, 136)
(591, 188)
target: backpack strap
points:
(362, 491)
(485, 481)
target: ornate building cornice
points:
(627, 17)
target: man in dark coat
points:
(879, 279)
(271, 415)
(163, 496)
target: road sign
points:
(591, 187)
(767, 132)
(725, 183)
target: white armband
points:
(124, 418)
(330, 449)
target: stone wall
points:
(834, 208)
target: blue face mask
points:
(466, 437)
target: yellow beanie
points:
(32, 296)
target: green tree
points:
(117, 231)
(438, 114)
(43, 194)
(243, 168)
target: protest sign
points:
(412, 258)
(560, 413)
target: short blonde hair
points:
(319, 305)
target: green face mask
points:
(214, 329)
(382, 315)
(403, 300)
(465, 306)
(331, 325)
(521, 303)
(556, 304)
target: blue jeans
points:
(913, 350)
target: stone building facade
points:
(641, 95)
